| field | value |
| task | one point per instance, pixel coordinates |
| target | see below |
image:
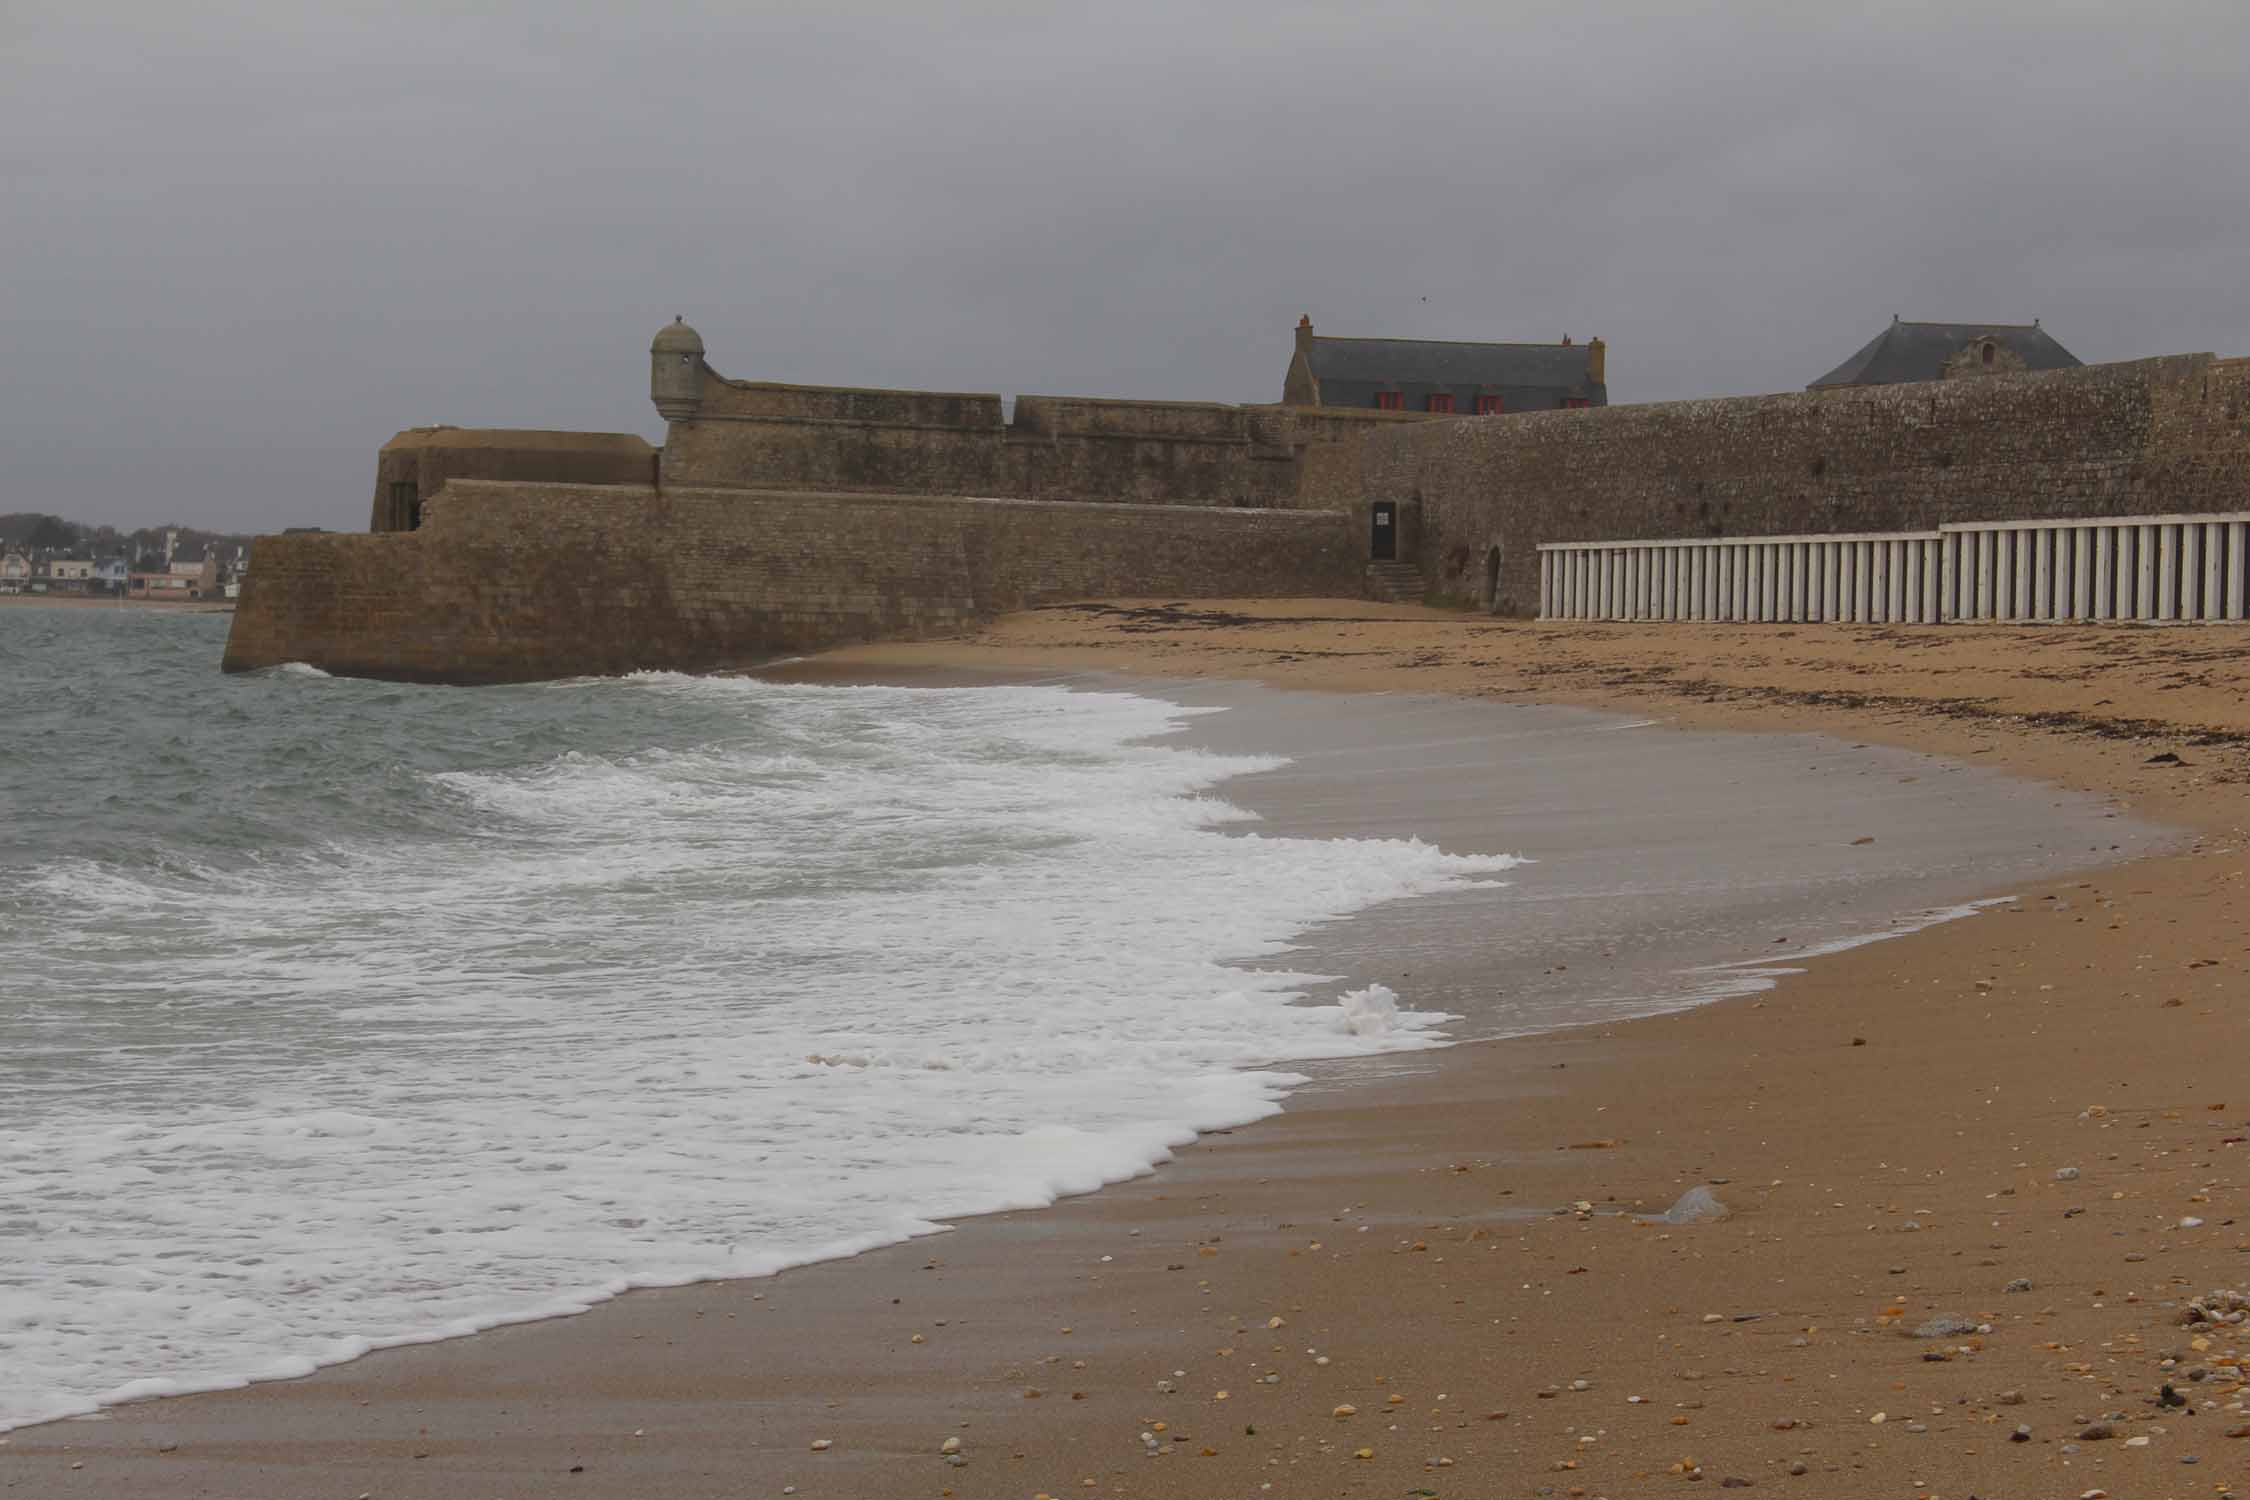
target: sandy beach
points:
(1975, 1177)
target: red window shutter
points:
(1441, 402)
(1488, 406)
(1386, 401)
(1576, 401)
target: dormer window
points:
(1386, 401)
(1440, 401)
(1489, 406)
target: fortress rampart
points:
(781, 518)
(762, 435)
(753, 435)
(516, 582)
(757, 434)
(914, 442)
(423, 460)
(2149, 437)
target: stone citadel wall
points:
(518, 582)
(758, 435)
(2143, 438)
(420, 461)
(819, 515)
(762, 435)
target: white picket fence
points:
(2121, 568)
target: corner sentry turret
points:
(675, 371)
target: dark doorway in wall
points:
(1492, 581)
(1384, 543)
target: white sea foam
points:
(1369, 1012)
(681, 1012)
(1728, 981)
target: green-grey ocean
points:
(337, 1014)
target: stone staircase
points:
(1399, 582)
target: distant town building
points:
(1948, 351)
(15, 572)
(1440, 376)
(62, 575)
(178, 579)
(165, 585)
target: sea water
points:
(338, 1014)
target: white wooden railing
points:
(2119, 568)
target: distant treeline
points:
(38, 533)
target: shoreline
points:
(78, 601)
(1245, 1220)
(1395, 777)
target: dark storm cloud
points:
(246, 243)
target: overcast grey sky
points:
(245, 242)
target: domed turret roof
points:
(677, 338)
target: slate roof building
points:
(1429, 375)
(1948, 351)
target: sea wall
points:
(2150, 437)
(518, 582)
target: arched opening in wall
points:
(1492, 581)
(1985, 354)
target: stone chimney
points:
(1596, 364)
(1304, 335)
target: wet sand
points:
(1887, 1130)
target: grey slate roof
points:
(1918, 351)
(1526, 376)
